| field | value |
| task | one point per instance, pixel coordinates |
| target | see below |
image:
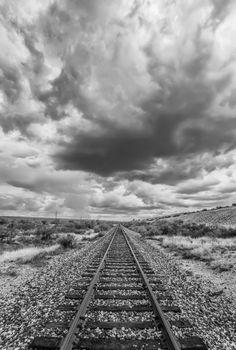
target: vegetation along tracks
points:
(119, 303)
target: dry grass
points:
(26, 254)
(219, 252)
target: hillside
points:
(223, 216)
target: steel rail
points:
(170, 338)
(69, 339)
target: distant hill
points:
(223, 216)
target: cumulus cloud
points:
(156, 91)
(111, 106)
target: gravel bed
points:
(123, 292)
(212, 315)
(112, 302)
(114, 284)
(122, 316)
(121, 333)
(25, 310)
(61, 316)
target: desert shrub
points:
(25, 225)
(3, 221)
(84, 224)
(67, 241)
(142, 230)
(80, 225)
(105, 226)
(44, 233)
(96, 228)
(80, 231)
(11, 225)
(153, 230)
(102, 226)
(181, 228)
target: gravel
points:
(122, 333)
(126, 292)
(26, 307)
(114, 284)
(213, 316)
(114, 302)
(122, 316)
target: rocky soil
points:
(29, 299)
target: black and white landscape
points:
(117, 112)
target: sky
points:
(117, 109)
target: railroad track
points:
(118, 304)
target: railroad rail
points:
(120, 303)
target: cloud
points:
(153, 93)
(108, 107)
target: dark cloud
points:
(22, 184)
(174, 171)
(221, 9)
(10, 83)
(125, 150)
(65, 89)
(175, 120)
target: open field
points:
(28, 244)
(17, 233)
